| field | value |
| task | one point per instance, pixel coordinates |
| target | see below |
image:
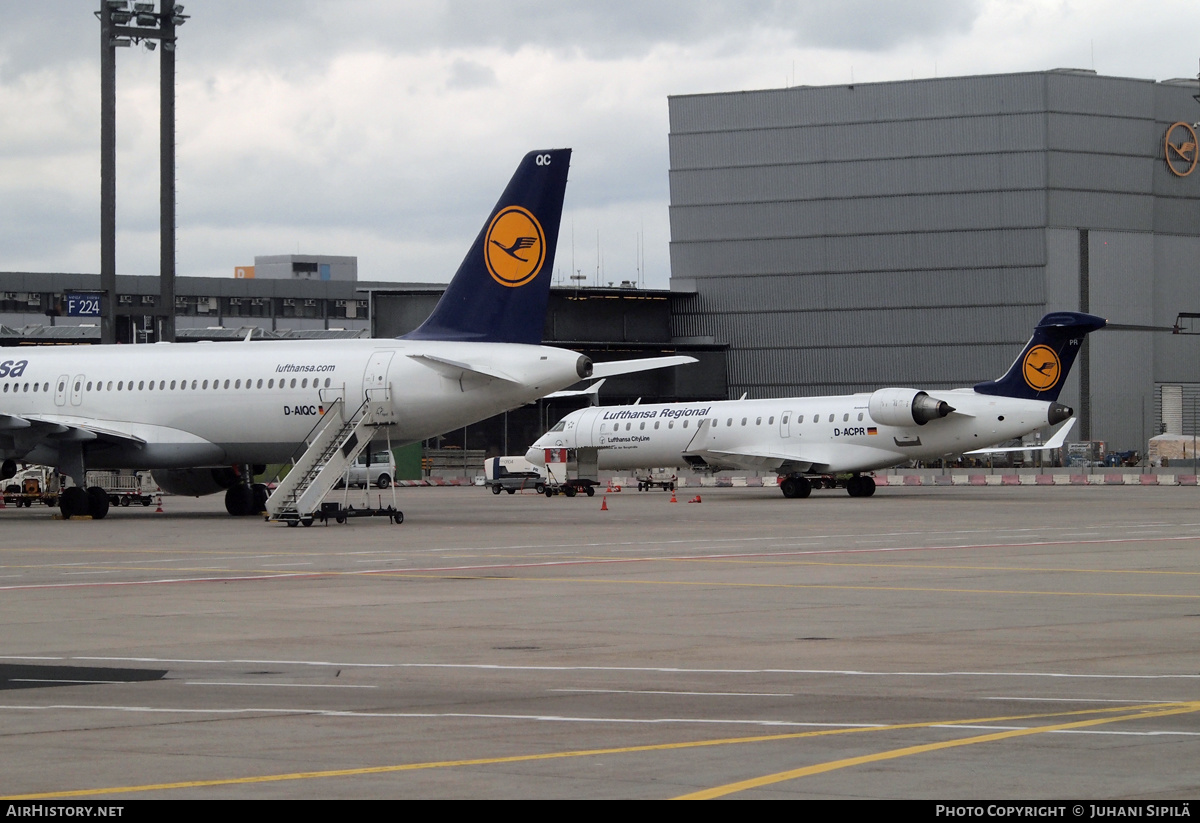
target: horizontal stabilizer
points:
(454, 369)
(1055, 442)
(615, 367)
(593, 389)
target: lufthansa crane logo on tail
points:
(1041, 368)
(515, 247)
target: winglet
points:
(500, 291)
(1039, 372)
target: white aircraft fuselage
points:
(181, 405)
(799, 434)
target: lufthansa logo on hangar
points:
(1179, 149)
(515, 247)
(1041, 368)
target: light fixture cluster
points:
(140, 23)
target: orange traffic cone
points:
(673, 500)
(159, 509)
(695, 499)
(609, 489)
(604, 504)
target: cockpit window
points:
(562, 424)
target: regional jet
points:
(800, 438)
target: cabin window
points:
(89, 388)
(226, 383)
(35, 387)
(783, 422)
(846, 417)
(642, 426)
(685, 424)
(194, 384)
(831, 418)
(110, 385)
(141, 385)
(151, 385)
(120, 385)
(771, 420)
(326, 382)
(26, 388)
(656, 422)
(293, 382)
(304, 383)
(729, 421)
(628, 426)
(758, 422)
(670, 424)
(743, 421)
(860, 417)
(799, 420)
(172, 385)
(259, 386)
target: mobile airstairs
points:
(332, 445)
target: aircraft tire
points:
(259, 494)
(73, 502)
(239, 500)
(97, 502)
(868, 486)
(796, 488)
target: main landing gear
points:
(798, 486)
(90, 502)
(244, 500)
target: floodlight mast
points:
(121, 27)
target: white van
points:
(381, 472)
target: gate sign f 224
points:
(83, 304)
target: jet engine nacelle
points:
(195, 482)
(906, 407)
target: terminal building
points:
(843, 238)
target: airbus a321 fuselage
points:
(202, 415)
(800, 437)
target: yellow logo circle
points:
(1182, 154)
(515, 247)
(1041, 368)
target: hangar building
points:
(843, 238)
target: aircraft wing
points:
(59, 427)
(615, 367)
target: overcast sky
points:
(386, 129)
